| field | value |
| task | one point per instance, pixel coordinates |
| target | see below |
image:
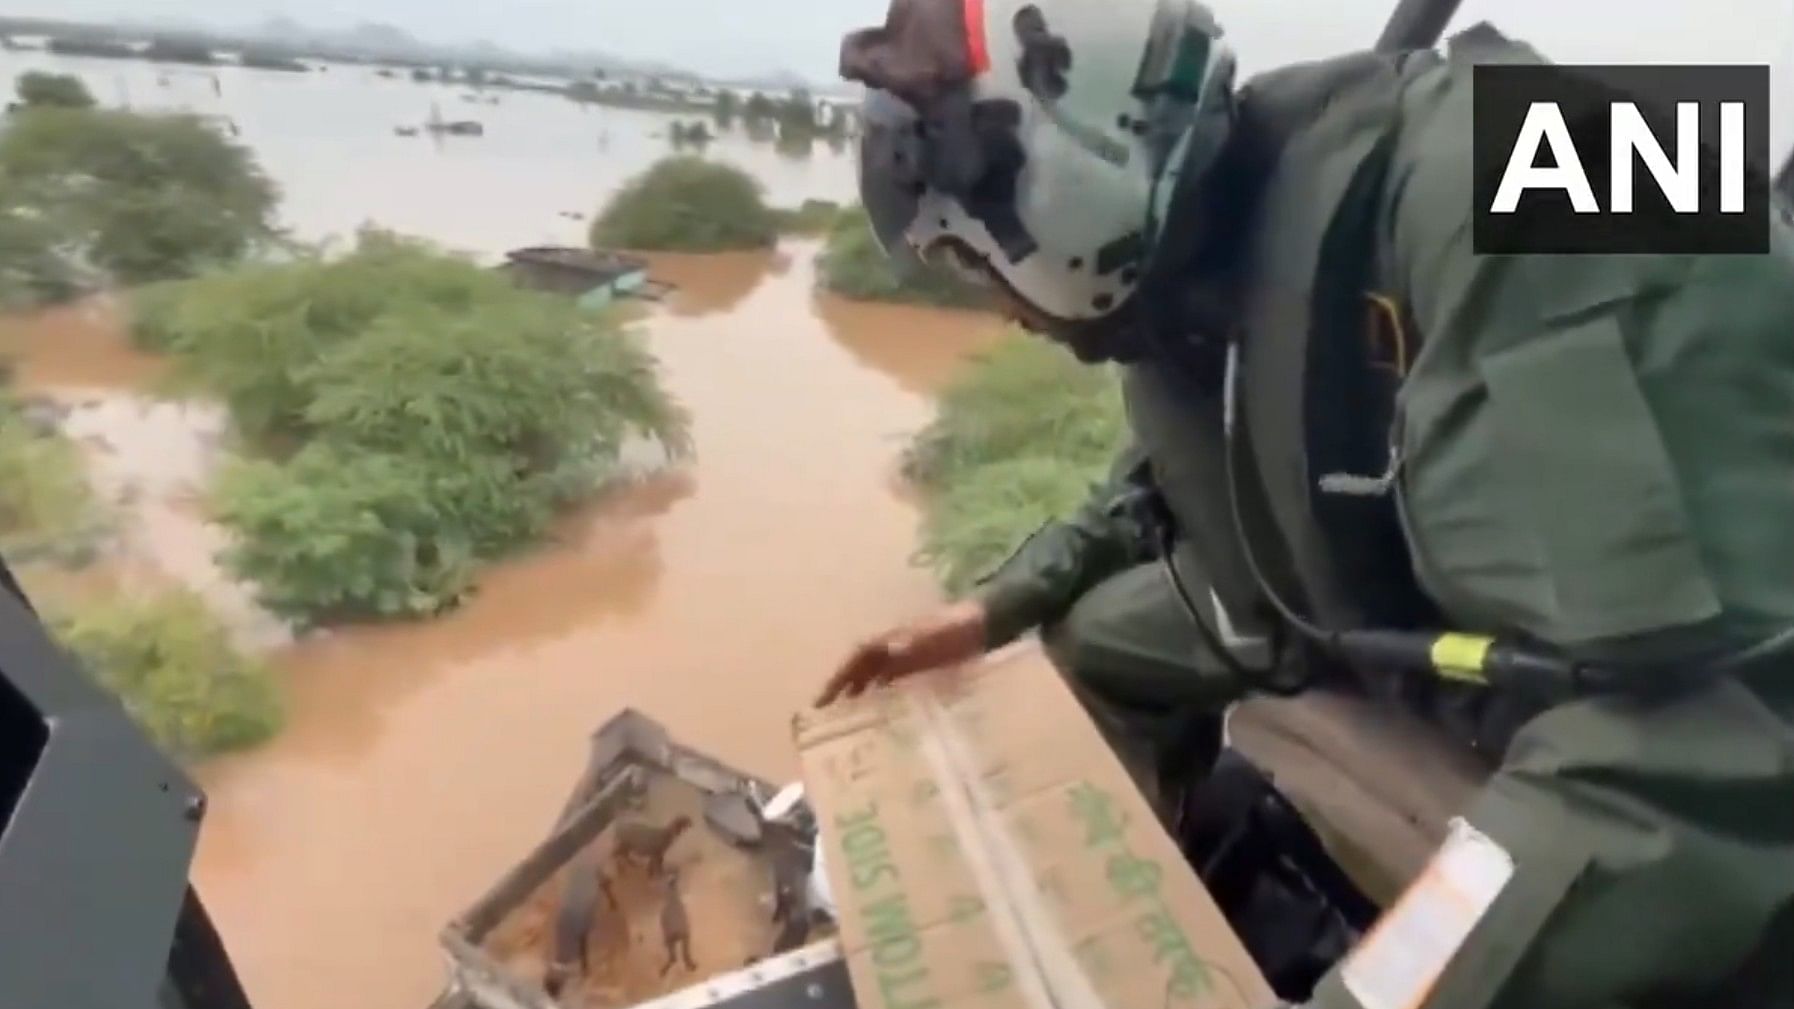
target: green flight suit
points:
(1594, 451)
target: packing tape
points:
(1048, 973)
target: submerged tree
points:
(725, 108)
(134, 198)
(411, 416)
(583, 92)
(759, 108)
(692, 134)
(687, 204)
(176, 670)
(797, 115)
(39, 90)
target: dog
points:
(649, 843)
(675, 927)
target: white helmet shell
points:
(1105, 93)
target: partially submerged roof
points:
(601, 265)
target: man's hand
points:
(947, 637)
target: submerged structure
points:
(595, 279)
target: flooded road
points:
(421, 760)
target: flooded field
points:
(328, 140)
(421, 760)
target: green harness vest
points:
(1313, 398)
(1594, 452)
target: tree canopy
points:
(727, 107)
(413, 413)
(687, 204)
(39, 90)
(1018, 440)
(853, 266)
(174, 667)
(133, 198)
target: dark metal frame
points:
(95, 908)
(1416, 24)
(627, 751)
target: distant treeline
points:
(172, 51)
(118, 42)
(263, 59)
(92, 47)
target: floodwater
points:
(327, 139)
(421, 760)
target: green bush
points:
(175, 669)
(852, 265)
(152, 311)
(248, 335)
(1018, 440)
(41, 90)
(970, 526)
(267, 59)
(687, 204)
(692, 134)
(136, 198)
(435, 416)
(332, 533)
(812, 217)
(47, 508)
(35, 268)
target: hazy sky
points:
(750, 36)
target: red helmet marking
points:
(977, 46)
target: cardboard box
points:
(987, 849)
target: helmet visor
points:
(892, 163)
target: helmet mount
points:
(1038, 139)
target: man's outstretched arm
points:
(1063, 559)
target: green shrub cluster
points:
(174, 667)
(37, 89)
(687, 204)
(47, 508)
(693, 134)
(35, 267)
(811, 217)
(412, 413)
(89, 196)
(1019, 440)
(852, 265)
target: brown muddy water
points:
(421, 760)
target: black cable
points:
(1230, 472)
(1210, 637)
(1776, 644)
(1473, 658)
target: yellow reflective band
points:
(1461, 656)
